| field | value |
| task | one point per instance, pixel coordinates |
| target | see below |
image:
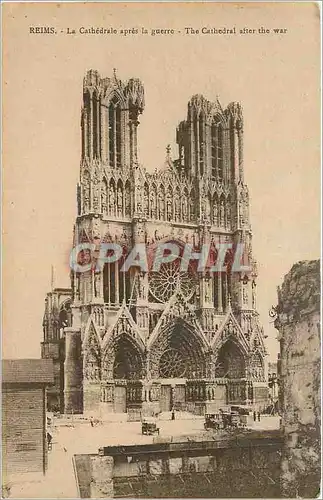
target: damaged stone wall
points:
(298, 322)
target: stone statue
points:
(86, 195)
(120, 200)
(222, 213)
(161, 205)
(112, 200)
(104, 198)
(215, 213)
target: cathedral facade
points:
(146, 340)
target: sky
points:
(275, 77)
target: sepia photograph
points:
(161, 250)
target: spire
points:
(52, 279)
(115, 75)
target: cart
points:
(213, 421)
(149, 427)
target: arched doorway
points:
(123, 368)
(128, 360)
(177, 355)
(230, 361)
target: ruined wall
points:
(298, 323)
(231, 467)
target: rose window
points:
(170, 277)
(172, 364)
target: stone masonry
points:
(298, 322)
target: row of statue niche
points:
(117, 238)
(168, 207)
(98, 311)
(134, 393)
(196, 392)
(106, 394)
(116, 201)
(121, 327)
(237, 392)
(210, 321)
(220, 214)
(152, 394)
(87, 197)
(257, 374)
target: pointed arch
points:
(257, 371)
(178, 352)
(114, 114)
(96, 123)
(217, 148)
(65, 314)
(231, 361)
(91, 354)
(123, 359)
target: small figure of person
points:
(254, 416)
(258, 416)
(49, 441)
(173, 414)
(91, 421)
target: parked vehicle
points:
(149, 427)
(213, 421)
(225, 420)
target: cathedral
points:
(144, 342)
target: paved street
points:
(59, 481)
